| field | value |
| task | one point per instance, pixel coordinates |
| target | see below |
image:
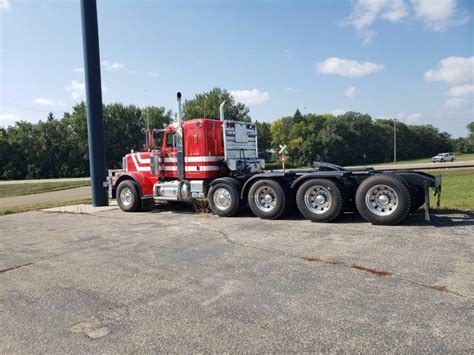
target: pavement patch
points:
(92, 327)
(81, 209)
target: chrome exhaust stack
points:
(221, 111)
(179, 110)
(179, 137)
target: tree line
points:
(57, 147)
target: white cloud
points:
(7, 117)
(456, 102)
(453, 70)
(347, 68)
(461, 90)
(46, 102)
(415, 116)
(5, 5)
(292, 90)
(79, 70)
(111, 66)
(395, 11)
(78, 89)
(438, 15)
(339, 111)
(409, 118)
(8, 120)
(250, 97)
(365, 12)
(351, 91)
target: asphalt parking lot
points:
(173, 280)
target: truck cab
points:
(194, 153)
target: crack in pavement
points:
(338, 264)
(14, 267)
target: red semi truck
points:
(218, 160)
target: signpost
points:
(282, 153)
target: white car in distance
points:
(444, 157)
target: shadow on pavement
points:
(438, 219)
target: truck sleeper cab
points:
(217, 160)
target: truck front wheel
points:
(128, 197)
(224, 199)
(319, 200)
(383, 199)
(267, 199)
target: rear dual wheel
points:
(383, 199)
(320, 200)
(268, 199)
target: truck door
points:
(170, 155)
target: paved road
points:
(76, 193)
(171, 280)
(419, 166)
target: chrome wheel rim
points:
(265, 198)
(318, 199)
(126, 196)
(381, 200)
(222, 198)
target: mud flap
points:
(437, 193)
(426, 185)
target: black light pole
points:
(95, 119)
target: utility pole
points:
(95, 118)
(394, 141)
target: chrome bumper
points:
(111, 179)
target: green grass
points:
(457, 189)
(40, 206)
(36, 188)
(459, 157)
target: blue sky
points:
(410, 59)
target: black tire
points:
(417, 194)
(326, 211)
(276, 191)
(128, 196)
(393, 214)
(218, 205)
